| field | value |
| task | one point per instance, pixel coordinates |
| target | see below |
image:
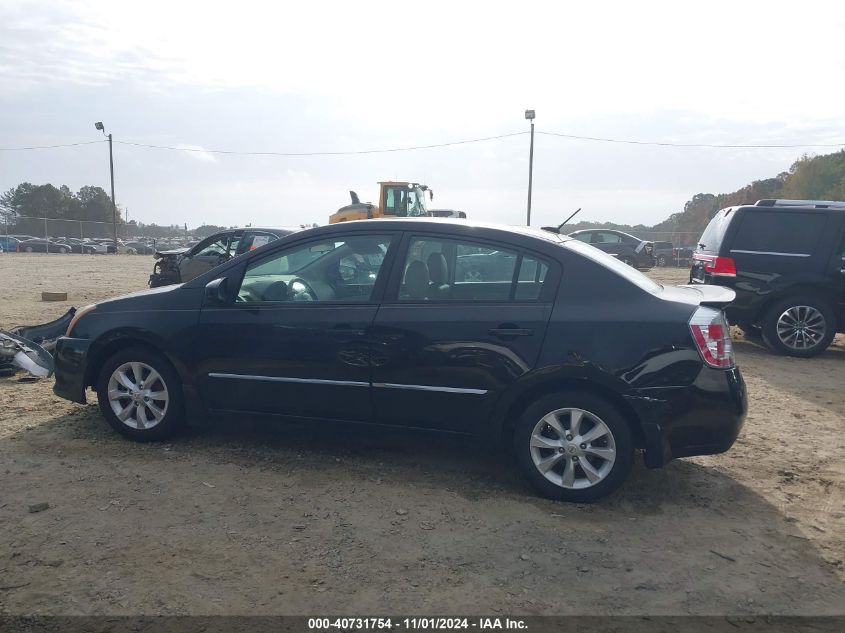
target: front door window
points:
(341, 270)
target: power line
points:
(710, 145)
(19, 149)
(332, 153)
(434, 146)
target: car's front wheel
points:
(140, 395)
(799, 326)
(573, 446)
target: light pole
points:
(529, 114)
(99, 125)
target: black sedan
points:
(40, 245)
(623, 246)
(571, 357)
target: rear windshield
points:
(711, 239)
(608, 261)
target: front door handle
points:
(511, 331)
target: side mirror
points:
(216, 291)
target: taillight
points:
(720, 266)
(712, 336)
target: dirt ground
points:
(264, 518)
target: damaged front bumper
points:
(29, 347)
(18, 353)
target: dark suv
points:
(571, 357)
(623, 246)
(786, 261)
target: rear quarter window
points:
(779, 232)
(617, 266)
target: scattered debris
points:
(401, 512)
(39, 507)
(205, 483)
(53, 296)
(720, 555)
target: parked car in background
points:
(183, 264)
(682, 256)
(139, 248)
(8, 244)
(663, 252)
(80, 246)
(623, 246)
(785, 259)
(567, 355)
(40, 245)
(446, 213)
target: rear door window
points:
(453, 270)
(779, 232)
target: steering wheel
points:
(299, 290)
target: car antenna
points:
(556, 229)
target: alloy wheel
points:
(138, 395)
(573, 448)
(801, 327)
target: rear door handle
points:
(511, 331)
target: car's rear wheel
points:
(573, 446)
(799, 326)
(661, 261)
(628, 260)
(63, 251)
(140, 395)
(28, 249)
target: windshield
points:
(405, 202)
(617, 266)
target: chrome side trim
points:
(310, 381)
(393, 385)
(772, 253)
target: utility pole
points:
(99, 125)
(529, 114)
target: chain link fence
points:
(52, 228)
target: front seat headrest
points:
(438, 270)
(416, 279)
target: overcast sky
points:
(342, 76)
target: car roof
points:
(462, 226)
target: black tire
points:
(796, 304)
(28, 249)
(628, 260)
(614, 421)
(173, 416)
(661, 261)
(63, 251)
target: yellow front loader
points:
(396, 199)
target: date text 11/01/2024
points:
(420, 623)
